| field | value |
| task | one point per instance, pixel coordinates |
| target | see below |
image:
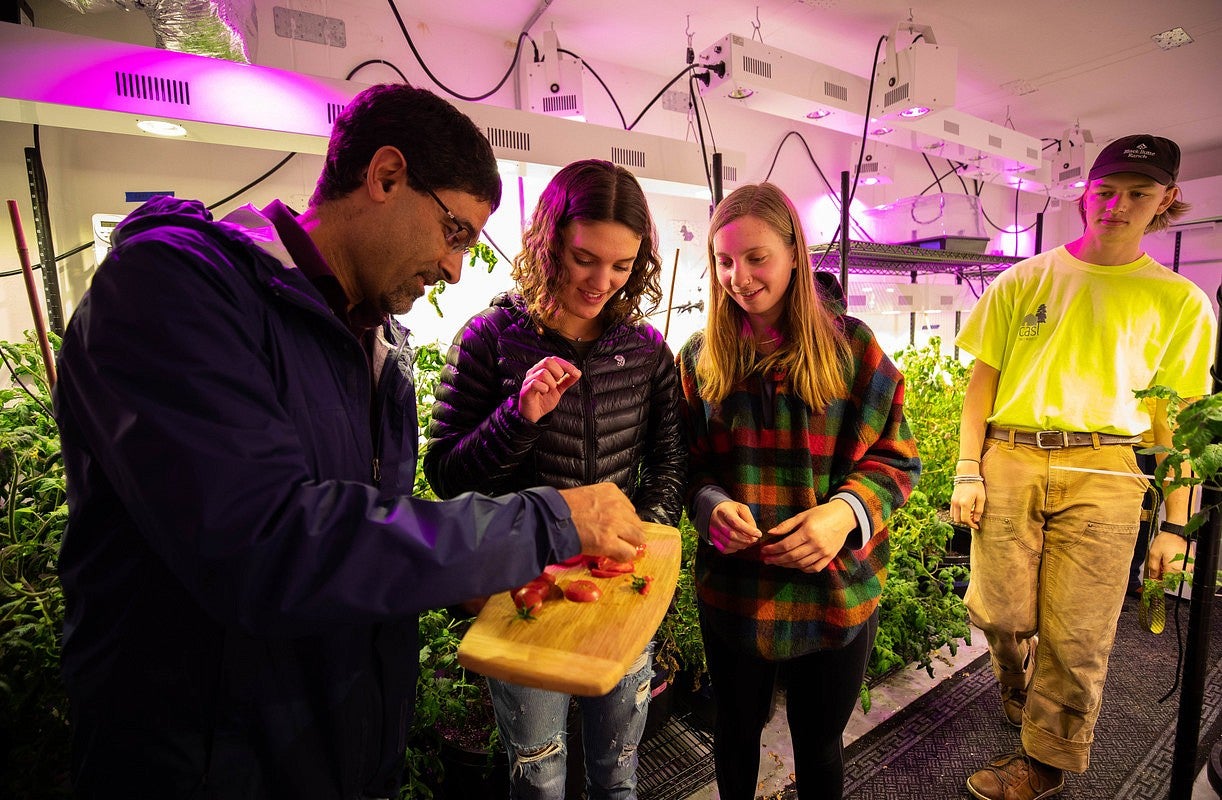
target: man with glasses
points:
(244, 563)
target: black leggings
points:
(821, 691)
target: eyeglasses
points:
(460, 239)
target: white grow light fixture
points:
(916, 80)
(553, 83)
(787, 85)
(1071, 162)
(64, 80)
(876, 163)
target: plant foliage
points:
(920, 611)
(680, 646)
(33, 705)
(1194, 459)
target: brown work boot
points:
(1016, 776)
(1012, 702)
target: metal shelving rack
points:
(873, 258)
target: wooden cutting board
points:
(577, 648)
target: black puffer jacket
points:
(619, 423)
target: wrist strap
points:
(1171, 527)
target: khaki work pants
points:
(1051, 558)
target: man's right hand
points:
(605, 520)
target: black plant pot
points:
(472, 774)
(699, 703)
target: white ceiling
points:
(1038, 65)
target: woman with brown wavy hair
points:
(563, 384)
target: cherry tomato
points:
(528, 599)
(641, 584)
(640, 550)
(582, 591)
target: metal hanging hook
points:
(756, 26)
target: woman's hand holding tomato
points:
(543, 385)
(732, 527)
(812, 538)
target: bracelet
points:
(1171, 527)
(958, 479)
(973, 460)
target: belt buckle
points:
(1061, 440)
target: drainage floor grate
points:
(676, 761)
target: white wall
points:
(89, 173)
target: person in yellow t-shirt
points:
(1061, 342)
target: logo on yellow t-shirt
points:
(1031, 323)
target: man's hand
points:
(543, 385)
(731, 527)
(606, 522)
(1166, 555)
(967, 504)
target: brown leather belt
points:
(1055, 440)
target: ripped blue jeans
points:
(533, 728)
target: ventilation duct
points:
(225, 29)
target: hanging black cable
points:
(707, 120)
(474, 99)
(661, 92)
(253, 183)
(937, 180)
(704, 158)
(832, 193)
(247, 187)
(865, 128)
(371, 61)
(601, 82)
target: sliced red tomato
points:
(580, 558)
(641, 584)
(582, 591)
(604, 573)
(640, 550)
(616, 567)
(545, 584)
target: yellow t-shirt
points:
(1074, 340)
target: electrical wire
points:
(865, 128)
(704, 158)
(253, 183)
(662, 91)
(247, 187)
(708, 121)
(513, 64)
(988, 219)
(601, 82)
(364, 64)
(937, 180)
(831, 191)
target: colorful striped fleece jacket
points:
(762, 446)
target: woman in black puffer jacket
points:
(563, 384)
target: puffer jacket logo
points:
(619, 360)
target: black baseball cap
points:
(1143, 153)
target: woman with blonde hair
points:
(799, 454)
